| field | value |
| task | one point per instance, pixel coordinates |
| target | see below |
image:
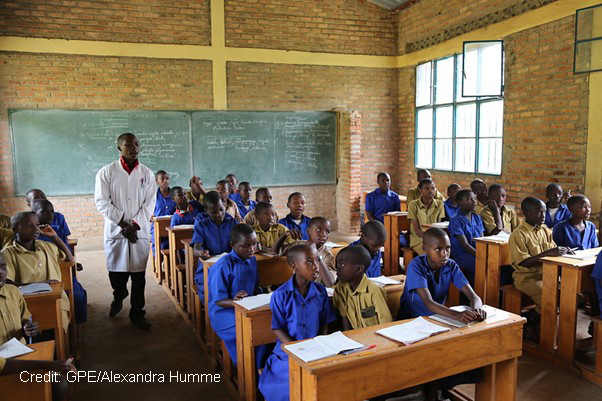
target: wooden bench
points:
(160, 225)
(514, 300)
(598, 343)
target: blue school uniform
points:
(564, 234)
(196, 205)
(379, 203)
(420, 275)
(301, 318)
(450, 209)
(561, 215)
(597, 275)
(164, 206)
(245, 209)
(187, 217)
(471, 229)
(374, 270)
(289, 223)
(227, 277)
(235, 197)
(214, 238)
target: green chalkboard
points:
(60, 151)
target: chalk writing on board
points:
(240, 143)
(305, 140)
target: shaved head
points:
(434, 235)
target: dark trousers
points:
(119, 282)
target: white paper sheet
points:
(384, 280)
(502, 236)
(255, 301)
(584, 254)
(216, 258)
(443, 224)
(13, 348)
(323, 346)
(397, 213)
(493, 315)
(413, 331)
(186, 226)
(334, 245)
(330, 291)
(35, 288)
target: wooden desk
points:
(254, 328)
(194, 309)
(46, 309)
(491, 256)
(160, 224)
(403, 204)
(393, 366)
(176, 235)
(72, 242)
(11, 386)
(394, 225)
(576, 278)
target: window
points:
(456, 133)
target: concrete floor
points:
(114, 345)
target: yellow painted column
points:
(218, 44)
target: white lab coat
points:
(118, 195)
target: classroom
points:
(272, 147)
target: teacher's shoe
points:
(142, 324)
(115, 307)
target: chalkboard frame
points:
(191, 164)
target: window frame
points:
(477, 101)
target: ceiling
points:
(390, 4)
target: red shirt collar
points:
(181, 213)
(126, 167)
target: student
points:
(6, 232)
(428, 279)
(597, 275)
(414, 193)
(271, 235)
(245, 203)
(164, 206)
(319, 232)
(261, 195)
(231, 278)
(300, 310)
(185, 212)
(232, 184)
(464, 227)
(58, 224)
(576, 231)
(296, 220)
(211, 235)
(424, 210)
(450, 204)
(382, 200)
(530, 242)
(196, 191)
(496, 216)
(479, 188)
(359, 301)
(222, 188)
(45, 213)
(556, 211)
(31, 261)
(373, 237)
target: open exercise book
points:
(383, 280)
(493, 315)
(412, 331)
(216, 258)
(35, 288)
(584, 254)
(13, 348)
(502, 236)
(323, 347)
(255, 301)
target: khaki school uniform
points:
(5, 221)
(366, 306)
(324, 252)
(13, 314)
(527, 241)
(480, 206)
(232, 210)
(190, 196)
(2, 364)
(268, 238)
(414, 193)
(510, 219)
(6, 231)
(417, 211)
(251, 220)
(25, 267)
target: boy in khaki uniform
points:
(271, 235)
(479, 187)
(414, 193)
(424, 210)
(496, 216)
(261, 195)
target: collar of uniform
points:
(531, 228)
(237, 257)
(3, 291)
(181, 213)
(125, 165)
(289, 286)
(191, 194)
(421, 204)
(21, 249)
(258, 228)
(362, 286)
(225, 220)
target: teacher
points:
(125, 195)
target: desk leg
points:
(549, 307)
(568, 313)
(506, 373)
(481, 270)
(493, 276)
(59, 332)
(250, 363)
(295, 385)
(388, 266)
(240, 346)
(484, 389)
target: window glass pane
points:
(483, 70)
(424, 153)
(466, 120)
(444, 87)
(444, 117)
(443, 154)
(423, 84)
(424, 128)
(459, 97)
(490, 156)
(491, 119)
(465, 155)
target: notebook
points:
(493, 315)
(323, 347)
(383, 280)
(216, 258)
(13, 348)
(583, 254)
(255, 301)
(35, 288)
(502, 236)
(412, 331)
(333, 245)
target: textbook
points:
(35, 288)
(493, 315)
(323, 347)
(397, 213)
(333, 245)
(255, 301)
(13, 348)
(216, 258)
(384, 280)
(583, 254)
(412, 331)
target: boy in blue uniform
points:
(245, 203)
(373, 238)
(164, 206)
(231, 278)
(382, 200)
(464, 227)
(185, 212)
(211, 235)
(597, 275)
(450, 204)
(576, 231)
(296, 220)
(58, 223)
(555, 210)
(232, 184)
(300, 310)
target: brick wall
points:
(341, 26)
(83, 82)
(149, 21)
(545, 116)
